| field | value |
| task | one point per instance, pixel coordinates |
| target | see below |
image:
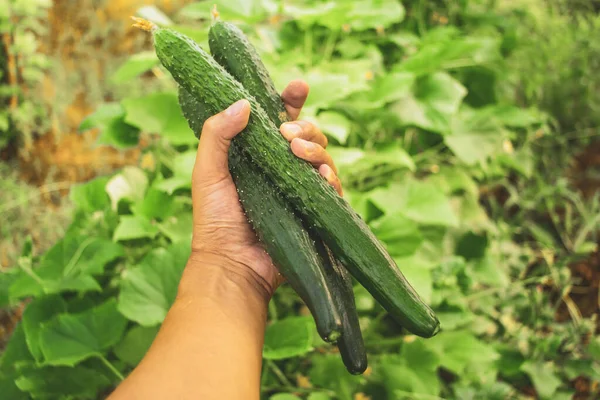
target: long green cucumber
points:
(338, 225)
(231, 48)
(279, 229)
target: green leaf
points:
(359, 15)
(37, 313)
(182, 167)
(159, 113)
(7, 278)
(134, 227)
(385, 89)
(15, 352)
(420, 201)
(109, 118)
(543, 377)
(400, 234)
(61, 382)
(68, 266)
(284, 396)
(418, 275)
(415, 371)
(9, 389)
(436, 99)
(130, 184)
(318, 396)
(135, 65)
(135, 344)
(156, 204)
(178, 228)
(460, 349)
(68, 339)
(474, 137)
(149, 289)
(329, 372)
(289, 337)
(334, 125)
(245, 10)
(327, 88)
(91, 196)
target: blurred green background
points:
(466, 134)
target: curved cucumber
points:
(336, 223)
(278, 228)
(231, 48)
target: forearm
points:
(210, 344)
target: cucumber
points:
(245, 65)
(351, 343)
(278, 228)
(231, 48)
(336, 223)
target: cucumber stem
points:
(143, 24)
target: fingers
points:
(217, 132)
(313, 153)
(303, 130)
(332, 178)
(294, 96)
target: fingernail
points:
(293, 130)
(236, 108)
(308, 146)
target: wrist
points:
(219, 277)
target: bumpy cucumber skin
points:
(314, 199)
(280, 231)
(231, 48)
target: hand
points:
(221, 235)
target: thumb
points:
(217, 132)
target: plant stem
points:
(109, 365)
(330, 45)
(280, 375)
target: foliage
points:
(22, 68)
(461, 184)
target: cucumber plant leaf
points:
(134, 227)
(91, 196)
(38, 312)
(149, 288)
(135, 344)
(68, 339)
(289, 337)
(159, 113)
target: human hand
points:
(221, 235)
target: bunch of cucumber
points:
(312, 234)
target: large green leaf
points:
(149, 288)
(460, 350)
(329, 372)
(358, 15)
(37, 313)
(134, 66)
(109, 118)
(135, 344)
(68, 339)
(435, 100)
(135, 227)
(159, 113)
(178, 228)
(183, 165)
(61, 382)
(68, 265)
(288, 337)
(414, 371)
(474, 136)
(386, 89)
(15, 352)
(245, 10)
(334, 125)
(543, 376)
(91, 196)
(400, 234)
(156, 204)
(420, 201)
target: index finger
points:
(294, 96)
